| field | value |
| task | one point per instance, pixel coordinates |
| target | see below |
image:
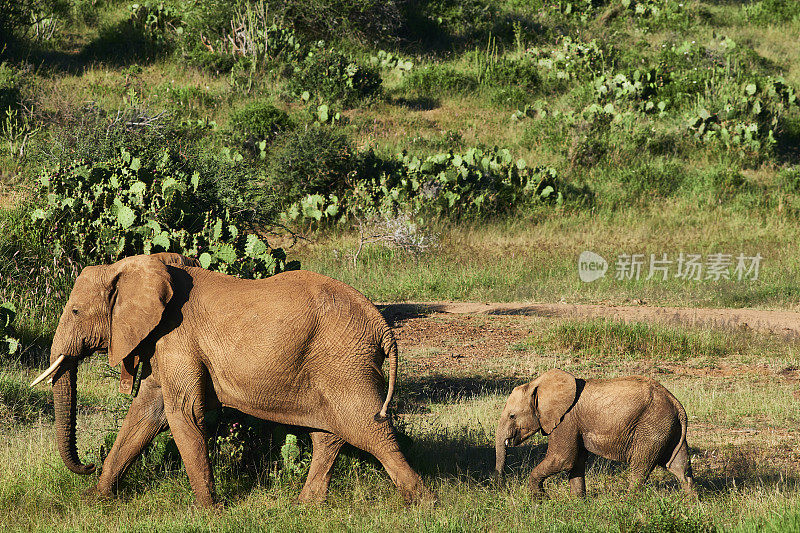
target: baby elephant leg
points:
(562, 454)
(642, 461)
(577, 474)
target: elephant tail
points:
(682, 418)
(389, 346)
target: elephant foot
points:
(537, 494)
(420, 496)
(93, 494)
(214, 506)
(308, 497)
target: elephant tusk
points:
(49, 371)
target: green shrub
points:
(259, 120)
(214, 62)
(477, 182)
(310, 161)
(522, 73)
(9, 343)
(151, 30)
(361, 20)
(330, 77)
(89, 132)
(10, 88)
(438, 79)
(773, 11)
(100, 212)
(37, 19)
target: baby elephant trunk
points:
(500, 450)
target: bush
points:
(521, 73)
(10, 88)
(100, 212)
(9, 343)
(19, 17)
(91, 133)
(150, 31)
(361, 20)
(260, 121)
(773, 11)
(314, 160)
(330, 77)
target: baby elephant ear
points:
(554, 394)
(141, 289)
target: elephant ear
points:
(553, 395)
(141, 289)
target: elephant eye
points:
(512, 416)
(74, 311)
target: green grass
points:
(740, 422)
(537, 260)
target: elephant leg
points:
(577, 474)
(184, 407)
(325, 449)
(551, 464)
(562, 454)
(643, 460)
(378, 439)
(681, 468)
(145, 419)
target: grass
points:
(538, 260)
(740, 433)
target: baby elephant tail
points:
(683, 420)
(389, 346)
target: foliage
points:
(10, 87)
(772, 11)
(223, 33)
(329, 76)
(475, 183)
(156, 19)
(259, 120)
(750, 120)
(572, 60)
(310, 161)
(9, 343)
(152, 29)
(362, 20)
(100, 212)
(388, 60)
(37, 19)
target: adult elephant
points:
(298, 348)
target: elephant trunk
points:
(65, 404)
(500, 449)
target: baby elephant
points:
(631, 419)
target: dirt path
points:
(785, 323)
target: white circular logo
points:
(591, 266)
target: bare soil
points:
(785, 323)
